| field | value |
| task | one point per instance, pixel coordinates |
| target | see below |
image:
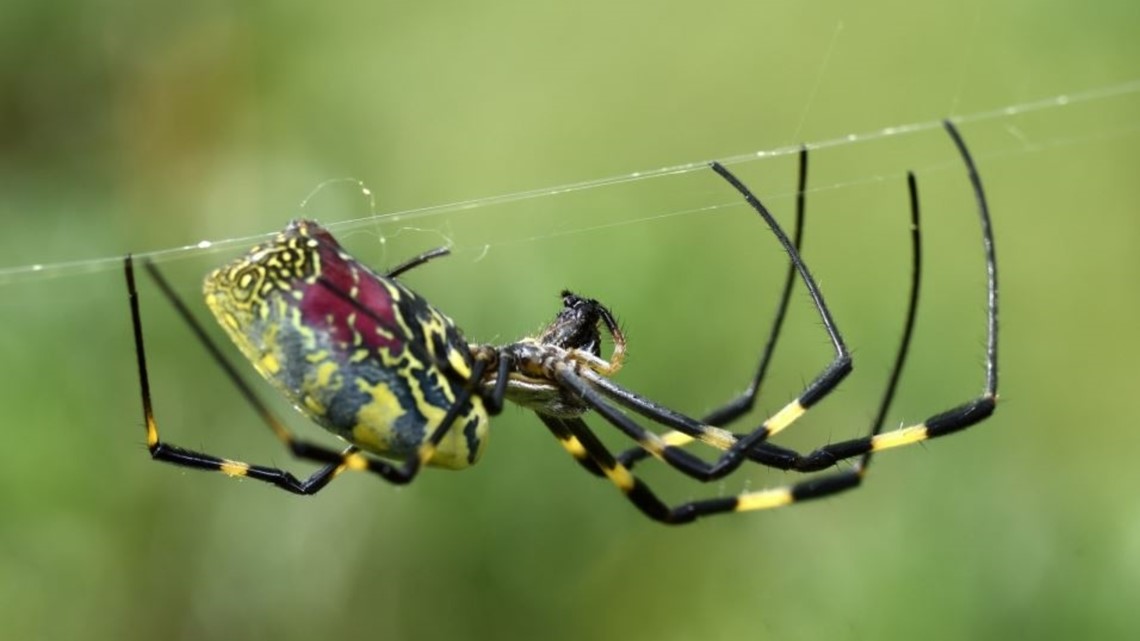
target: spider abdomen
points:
(356, 352)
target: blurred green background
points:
(128, 126)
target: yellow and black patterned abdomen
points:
(356, 352)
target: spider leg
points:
(825, 382)
(735, 450)
(948, 422)
(682, 460)
(198, 460)
(822, 458)
(764, 453)
(955, 419)
(685, 430)
(617, 356)
(416, 261)
(559, 427)
(594, 389)
(577, 438)
(336, 461)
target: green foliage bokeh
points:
(129, 126)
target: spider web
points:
(1015, 123)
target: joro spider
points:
(378, 366)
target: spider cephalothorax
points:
(574, 340)
(577, 326)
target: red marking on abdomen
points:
(326, 311)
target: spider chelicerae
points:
(377, 365)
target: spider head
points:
(574, 336)
(576, 325)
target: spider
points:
(378, 366)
